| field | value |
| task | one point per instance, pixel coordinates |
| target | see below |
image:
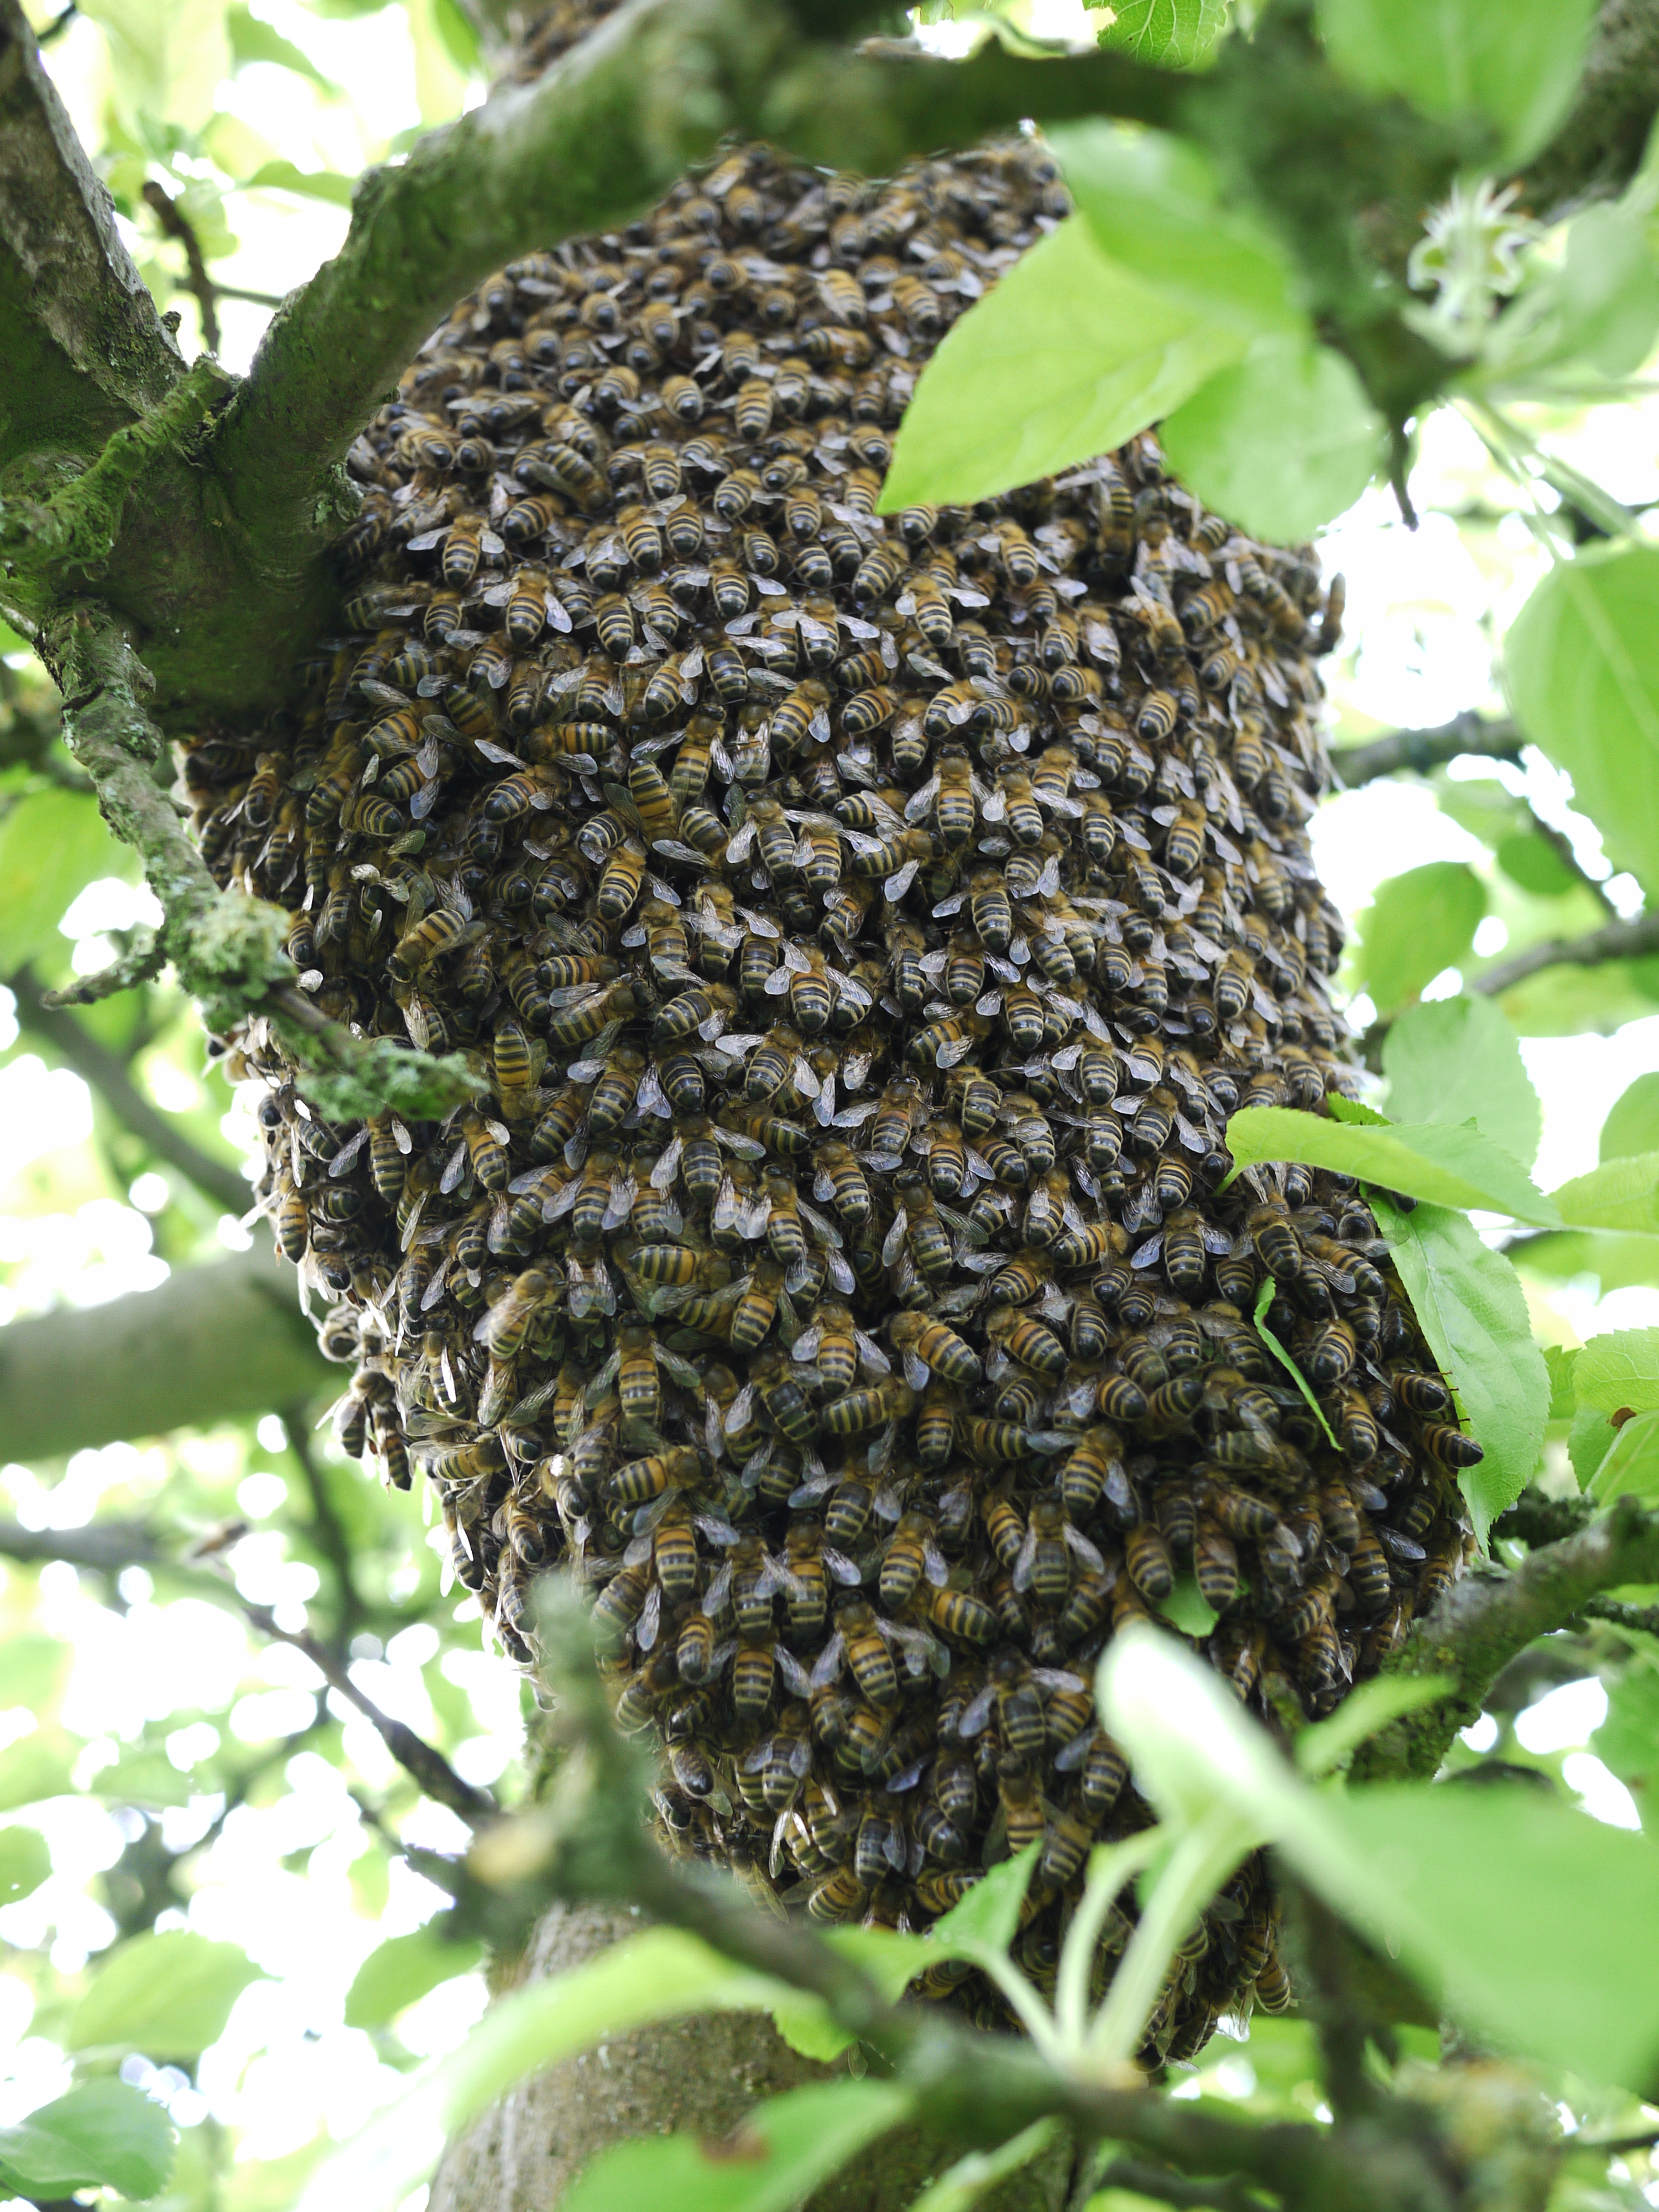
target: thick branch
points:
(1482, 1622)
(212, 1343)
(1599, 148)
(1422, 750)
(104, 1547)
(1619, 941)
(85, 351)
(106, 1073)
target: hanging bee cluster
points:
(863, 929)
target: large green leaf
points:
(1582, 668)
(785, 2150)
(1619, 1368)
(1458, 1059)
(1632, 1122)
(1173, 33)
(36, 1767)
(1599, 304)
(168, 1995)
(254, 39)
(103, 2134)
(1064, 358)
(310, 184)
(403, 1968)
(1630, 1468)
(1621, 1195)
(1155, 207)
(52, 845)
(1614, 1261)
(1280, 442)
(25, 1862)
(167, 59)
(1417, 924)
(1450, 1166)
(1470, 1305)
(1515, 62)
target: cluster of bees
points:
(862, 927)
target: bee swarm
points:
(865, 927)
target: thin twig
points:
(178, 225)
(1229, 2194)
(328, 1530)
(106, 1072)
(1618, 940)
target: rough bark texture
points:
(701, 2074)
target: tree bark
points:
(702, 2074)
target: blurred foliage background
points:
(170, 1776)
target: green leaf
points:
(1453, 1874)
(784, 2150)
(103, 2134)
(31, 1669)
(25, 1862)
(1632, 1123)
(1470, 1306)
(1264, 1299)
(1171, 34)
(313, 184)
(1619, 1369)
(891, 1961)
(252, 40)
(987, 1918)
(1515, 62)
(1066, 357)
(1627, 1741)
(1621, 1195)
(167, 59)
(1630, 1469)
(1451, 1167)
(1561, 1359)
(963, 2185)
(168, 1995)
(1458, 1059)
(1598, 305)
(1417, 924)
(455, 33)
(1188, 1609)
(1581, 670)
(1533, 862)
(402, 1969)
(1281, 441)
(1589, 1440)
(52, 845)
(1614, 1261)
(1154, 206)
(36, 1767)
(656, 1975)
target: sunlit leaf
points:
(168, 58)
(1264, 1300)
(1450, 1166)
(1470, 1306)
(1599, 304)
(1632, 1122)
(35, 1768)
(1623, 1194)
(103, 2134)
(1417, 924)
(1172, 33)
(403, 1968)
(312, 184)
(1280, 442)
(52, 845)
(1627, 1741)
(1630, 1466)
(1457, 1060)
(1514, 63)
(1582, 669)
(784, 2150)
(166, 1995)
(1620, 1367)
(25, 1862)
(1064, 358)
(254, 39)
(1531, 862)
(1364, 1710)
(987, 1918)
(1155, 207)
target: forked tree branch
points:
(1422, 750)
(1618, 940)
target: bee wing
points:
(802, 1078)
(645, 1635)
(761, 924)
(777, 983)
(726, 1205)
(755, 1216)
(1088, 1552)
(680, 1371)
(934, 1566)
(1026, 1562)
(893, 1242)
(915, 1371)
(827, 1666)
(619, 1199)
(844, 1569)
(1147, 1256)
(799, 1680)
(738, 849)
(872, 1358)
(738, 1413)
(917, 805)
(713, 1598)
(973, 1721)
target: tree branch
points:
(85, 350)
(1618, 940)
(328, 1530)
(1226, 2195)
(1422, 750)
(214, 1342)
(1599, 148)
(106, 1073)
(178, 227)
(1484, 1620)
